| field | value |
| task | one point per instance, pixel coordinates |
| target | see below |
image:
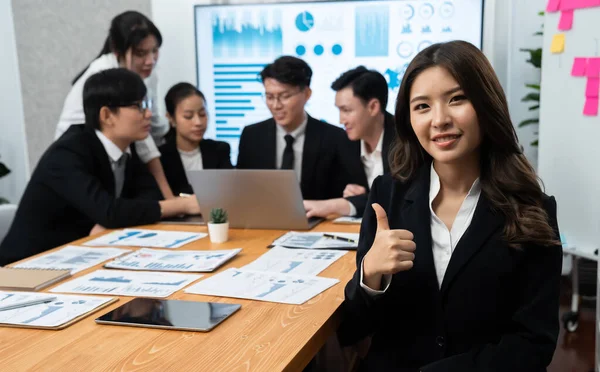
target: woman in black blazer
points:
(185, 148)
(459, 260)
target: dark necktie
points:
(119, 173)
(287, 162)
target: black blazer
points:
(71, 190)
(355, 166)
(322, 174)
(215, 155)
(497, 309)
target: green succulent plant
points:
(218, 215)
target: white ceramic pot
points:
(218, 232)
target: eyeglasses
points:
(282, 98)
(142, 106)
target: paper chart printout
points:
(295, 260)
(318, 240)
(147, 238)
(72, 258)
(161, 260)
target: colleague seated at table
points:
(91, 178)
(186, 149)
(361, 97)
(292, 139)
(459, 257)
(133, 42)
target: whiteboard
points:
(569, 149)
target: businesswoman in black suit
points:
(459, 260)
(185, 148)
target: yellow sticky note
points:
(558, 43)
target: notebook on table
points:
(13, 279)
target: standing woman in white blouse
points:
(133, 42)
(459, 260)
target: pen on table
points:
(184, 195)
(29, 303)
(339, 238)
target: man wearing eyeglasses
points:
(91, 178)
(292, 139)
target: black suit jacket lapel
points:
(416, 217)
(310, 152)
(270, 146)
(484, 223)
(389, 136)
(209, 155)
(107, 176)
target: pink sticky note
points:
(591, 106)
(593, 67)
(579, 66)
(566, 20)
(592, 87)
(552, 5)
(577, 4)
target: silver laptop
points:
(253, 199)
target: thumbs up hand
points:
(392, 251)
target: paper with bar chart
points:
(185, 261)
(295, 261)
(318, 240)
(63, 309)
(147, 238)
(235, 42)
(72, 258)
(263, 286)
(127, 283)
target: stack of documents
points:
(185, 261)
(40, 310)
(72, 258)
(318, 240)
(147, 238)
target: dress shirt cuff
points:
(352, 209)
(385, 283)
(146, 149)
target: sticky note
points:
(591, 106)
(592, 87)
(577, 4)
(579, 66)
(552, 5)
(566, 20)
(558, 43)
(593, 67)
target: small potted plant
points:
(218, 226)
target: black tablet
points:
(169, 314)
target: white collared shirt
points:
(191, 160)
(72, 111)
(298, 135)
(444, 241)
(114, 154)
(372, 164)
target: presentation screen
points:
(234, 42)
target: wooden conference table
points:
(262, 336)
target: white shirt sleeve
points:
(159, 125)
(386, 281)
(72, 112)
(353, 211)
(147, 150)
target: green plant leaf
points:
(535, 143)
(533, 86)
(539, 33)
(535, 56)
(527, 122)
(541, 13)
(531, 97)
(3, 170)
(534, 107)
(4, 201)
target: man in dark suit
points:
(292, 139)
(361, 96)
(91, 178)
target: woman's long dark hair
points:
(508, 180)
(127, 30)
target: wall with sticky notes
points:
(569, 151)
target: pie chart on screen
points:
(304, 21)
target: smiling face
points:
(191, 119)
(286, 103)
(443, 118)
(356, 116)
